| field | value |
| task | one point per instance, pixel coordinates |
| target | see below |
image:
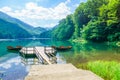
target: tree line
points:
(94, 20)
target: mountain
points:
(48, 32)
(20, 23)
(14, 20)
(38, 30)
(12, 30)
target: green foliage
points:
(86, 12)
(94, 31)
(95, 20)
(109, 70)
(80, 18)
(104, 20)
(46, 34)
(92, 7)
(110, 12)
(64, 30)
(114, 32)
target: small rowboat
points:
(62, 48)
(17, 48)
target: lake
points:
(16, 67)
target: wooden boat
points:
(62, 48)
(17, 48)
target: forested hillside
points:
(34, 31)
(14, 28)
(64, 30)
(10, 19)
(9, 30)
(94, 20)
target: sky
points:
(39, 13)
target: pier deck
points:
(54, 71)
(43, 53)
(59, 72)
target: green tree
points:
(95, 20)
(64, 29)
(79, 18)
(95, 31)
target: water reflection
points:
(82, 53)
(12, 63)
(12, 69)
(29, 59)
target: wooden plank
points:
(44, 56)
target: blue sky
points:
(44, 13)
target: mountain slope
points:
(14, 20)
(38, 30)
(11, 30)
(23, 25)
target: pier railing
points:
(49, 51)
(38, 55)
(44, 54)
(27, 50)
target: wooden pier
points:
(54, 71)
(44, 54)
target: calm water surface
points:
(16, 67)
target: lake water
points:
(15, 67)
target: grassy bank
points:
(109, 70)
(83, 41)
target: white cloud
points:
(33, 11)
(31, 5)
(37, 12)
(6, 9)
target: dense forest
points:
(94, 20)
(64, 30)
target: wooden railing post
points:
(44, 49)
(34, 50)
(26, 50)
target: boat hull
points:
(10, 48)
(62, 48)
